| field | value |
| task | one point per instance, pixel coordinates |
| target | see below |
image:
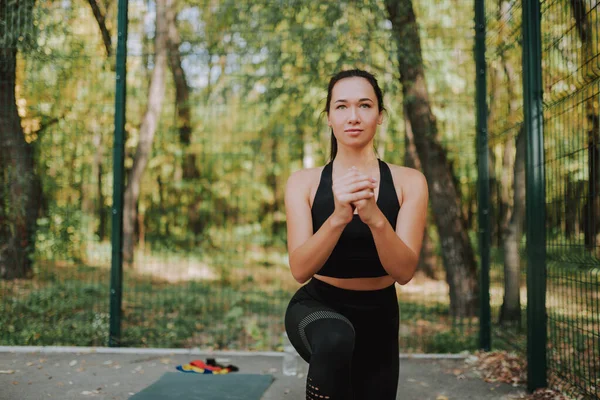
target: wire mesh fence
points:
(569, 71)
(570, 57)
(224, 102)
(507, 175)
(242, 109)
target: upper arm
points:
(297, 209)
(412, 216)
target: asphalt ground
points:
(43, 373)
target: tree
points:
(156, 94)
(427, 259)
(457, 252)
(101, 20)
(592, 206)
(182, 94)
(504, 97)
(97, 170)
(510, 312)
(19, 185)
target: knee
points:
(337, 341)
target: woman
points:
(355, 228)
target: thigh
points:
(307, 318)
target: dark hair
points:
(351, 73)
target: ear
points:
(328, 121)
(380, 118)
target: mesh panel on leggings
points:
(314, 317)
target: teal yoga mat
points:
(180, 386)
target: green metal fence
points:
(543, 135)
(209, 266)
(570, 50)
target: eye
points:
(366, 105)
(340, 107)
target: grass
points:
(237, 301)
(68, 304)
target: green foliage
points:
(64, 313)
(62, 235)
(16, 23)
(454, 341)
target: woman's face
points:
(353, 112)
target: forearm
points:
(307, 260)
(396, 257)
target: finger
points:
(354, 177)
(349, 176)
(360, 176)
(340, 190)
(361, 185)
(352, 197)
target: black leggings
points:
(349, 338)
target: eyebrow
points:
(345, 101)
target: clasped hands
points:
(355, 190)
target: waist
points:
(362, 298)
(358, 284)
(341, 266)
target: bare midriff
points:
(377, 283)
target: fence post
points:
(116, 275)
(483, 181)
(536, 196)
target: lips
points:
(353, 130)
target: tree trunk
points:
(184, 118)
(507, 164)
(18, 203)
(511, 306)
(513, 217)
(97, 172)
(182, 95)
(272, 181)
(101, 20)
(97, 139)
(491, 121)
(156, 94)
(20, 188)
(427, 259)
(592, 206)
(457, 252)
(575, 190)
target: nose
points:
(353, 118)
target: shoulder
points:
(304, 179)
(405, 178)
(407, 175)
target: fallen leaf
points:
(7, 372)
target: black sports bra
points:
(355, 254)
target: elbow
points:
(300, 278)
(408, 272)
(299, 275)
(404, 280)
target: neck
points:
(363, 160)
